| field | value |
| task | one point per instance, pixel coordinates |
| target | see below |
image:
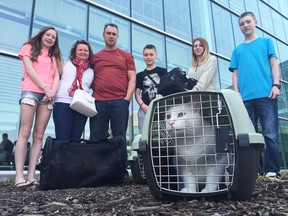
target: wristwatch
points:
(277, 85)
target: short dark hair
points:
(247, 13)
(5, 135)
(150, 46)
(111, 25)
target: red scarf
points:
(81, 66)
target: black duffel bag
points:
(175, 81)
(83, 164)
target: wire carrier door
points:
(192, 148)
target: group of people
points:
(111, 74)
(49, 84)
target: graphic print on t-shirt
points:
(149, 87)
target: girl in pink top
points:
(41, 59)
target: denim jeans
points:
(35, 96)
(115, 112)
(69, 124)
(266, 111)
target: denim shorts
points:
(31, 98)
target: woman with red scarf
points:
(69, 124)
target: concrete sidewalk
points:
(6, 175)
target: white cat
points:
(195, 149)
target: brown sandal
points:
(34, 183)
(22, 184)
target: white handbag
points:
(83, 103)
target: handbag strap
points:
(78, 84)
(156, 84)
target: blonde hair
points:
(205, 54)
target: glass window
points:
(283, 143)
(178, 55)
(282, 60)
(278, 25)
(202, 25)
(283, 102)
(223, 33)
(177, 19)
(265, 14)
(252, 5)
(71, 27)
(142, 37)
(10, 92)
(224, 74)
(238, 35)
(237, 6)
(9, 95)
(259, 32)
(275, 4)
(15, 17)
(98, 19)
(149, 12)
(224, 2)
(121, 6)
(284, 7)
(285, 23)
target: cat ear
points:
(196, 106)
(190, 106)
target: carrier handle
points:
(219, 104)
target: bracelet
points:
(44, 87)
(141, 104)
(277, 85)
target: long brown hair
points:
(36, 45)
(205, 54)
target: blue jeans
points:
(69, 124)
(266, 111)
(115, 112)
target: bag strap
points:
(151, 78)
(78, 84)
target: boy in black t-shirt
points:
(146, 82)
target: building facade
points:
(168, 24)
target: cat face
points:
(176, 116)
(184, 120)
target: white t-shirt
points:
(67, 78)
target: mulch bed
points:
(269, 198)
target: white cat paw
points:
(208, 190)
(188, 190)
(204, 190)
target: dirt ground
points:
(269, 198)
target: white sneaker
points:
(271, 174)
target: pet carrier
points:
(136, 163)
(200, 144)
